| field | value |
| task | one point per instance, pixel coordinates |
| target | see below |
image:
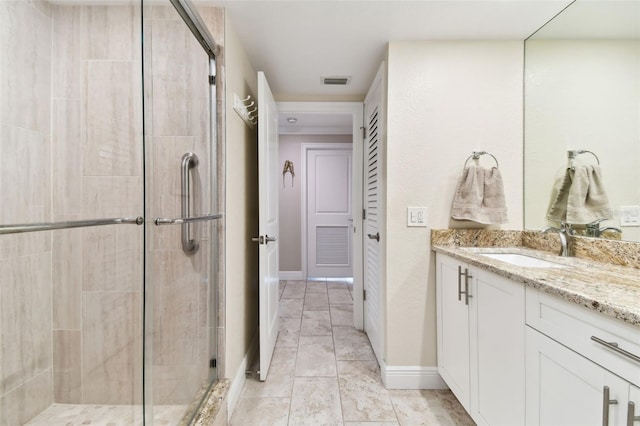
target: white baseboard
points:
(239, 379)
(292, 275)
(410, 377)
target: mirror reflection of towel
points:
(479, 196)
(581, 198)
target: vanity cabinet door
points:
(565, 389)
(453, 329)
(497, 339)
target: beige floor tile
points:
(316, 323)
(314, 287)
(316, 302)
(261, 411)
(429, 407)
(316, 357)
(371, 424)
(291, 308)
(340, 296)
(341, 315)
(289, 333)
(336, 285)
(315, 401)
(294, 291)
(351, 344)
(363, 396)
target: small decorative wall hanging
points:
(288, 168)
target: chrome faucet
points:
(563, 232)
(594, 230)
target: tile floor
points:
(324, 371)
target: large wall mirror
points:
(582, 96)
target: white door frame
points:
(304, 204)
(355, 109)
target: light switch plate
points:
(630, 216)
(417, 216)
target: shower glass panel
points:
(103, 316)
(179, 366)
(71, 149)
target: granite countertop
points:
(610, 289)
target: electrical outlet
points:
(417, 216)
(630, 216)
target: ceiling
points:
(296, 42)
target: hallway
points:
(324, 371)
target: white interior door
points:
(329, 215)
(373, 187)
(268, 222)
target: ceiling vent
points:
(336, 81)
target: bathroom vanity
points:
(526, 337)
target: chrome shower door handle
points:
(189, 161)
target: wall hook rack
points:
(247, 109)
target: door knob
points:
(269, 239)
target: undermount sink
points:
(523, 260)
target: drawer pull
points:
(466, 276)
(631, 414)
(605, 405)
(614, 347)
(460, 274)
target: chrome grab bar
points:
(50, 226)
(182, 220)
(189, 161)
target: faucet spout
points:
(562, 234)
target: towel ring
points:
(476, 155)
(574, 153)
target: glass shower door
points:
(71, 191)
(180, 211)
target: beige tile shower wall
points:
(181, 324)
(97, 173)
(25, 191)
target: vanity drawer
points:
(586, 332)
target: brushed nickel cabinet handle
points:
(605, 405)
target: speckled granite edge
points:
(213, 410)
(476, 238)
(609, 289)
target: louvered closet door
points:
(329, 212)
(373, 187)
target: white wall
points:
(290, 148)
(445, 99)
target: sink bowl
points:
(523, 260)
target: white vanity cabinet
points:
(580, 365)
(481, 341)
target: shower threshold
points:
(83, 414)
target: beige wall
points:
(241, 212)
(445, 99)
(290, 148)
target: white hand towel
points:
(479, 196)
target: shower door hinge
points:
(212, 79)
(213, 363)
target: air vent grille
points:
(336, 81)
